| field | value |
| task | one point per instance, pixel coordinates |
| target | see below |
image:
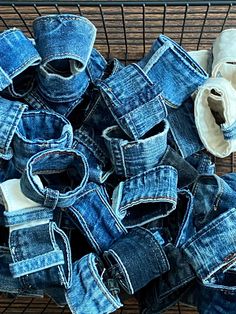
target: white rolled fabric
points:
(215, 116)
(224, 56)
(203, 58)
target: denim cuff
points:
(202, 163)
(134, 101)
(63, 37)
(216, 239)
(55, 162)
(37, 131)
(96, 66)
(91, 146)
(18, 54)
(88, 292)
(42, 255)
(183, 129)
(99, 224)
(146, 197)
(127, 262)
(133, 157)
(182, 74)
(58, 93)
(10, 115)
(186, 173)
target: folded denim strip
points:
(183, 129)
(216, 239)
(88, 292)
(39, 130)
(166, 59)
(146, 197)
(134, 100)
(99, 224)
(10, 116)
(133, 157)
(55, 162)
(127, 262)
(54, 39)
(13, 63)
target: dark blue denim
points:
(93, 148)
(186, 173)
(146, 197)
(19, 60)
(202, 163)
(134, 100)
(51, 165)
(183, 129)
(39, 130)
(131, 157)
(10, 116)
(136, 258)
(170, 66)
(94, 216)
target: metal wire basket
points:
(126, 30)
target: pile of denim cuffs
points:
(106, 189)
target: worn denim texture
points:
(17, 70)
(39, 130)
(166, 59)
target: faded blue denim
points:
(131, 157)
(18, 62)
(89, 292)
(39, 130)
(134, 100)
(166, 59)
(146, 197)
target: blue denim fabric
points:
(10, 115)
(216, 239)
(52, 164)
(127, 262)
(186, 173)
(131, 157)
(94, 149)
(64, 36)
(89, 292)
(183, 129)
(19, 59)
(62, 93)
(39, 130)
(202, 163)
(146, 197)
(166, 59)
(9, 284)
(134, 101)
(94, 216)
(40, 250)
(97, 115)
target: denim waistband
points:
(10, 115)
(62, 36)
(39, 130)
(17, 54)
(134, 100)
(146, 197)
(127, 262)
(133, 157)
(182, 74)
(55, 161)
(88, 292)
(99, 224)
